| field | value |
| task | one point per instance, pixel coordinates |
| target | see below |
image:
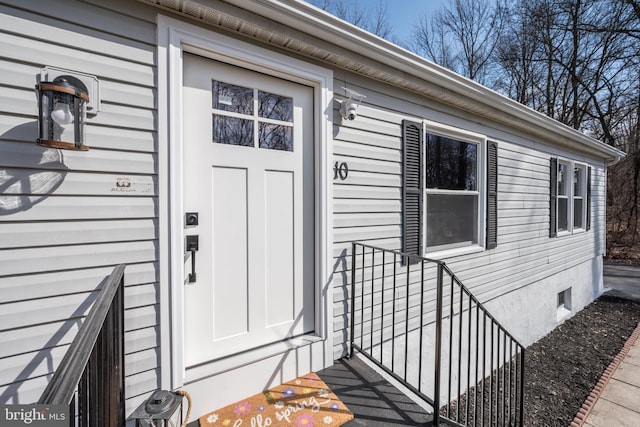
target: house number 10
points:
(340, 170)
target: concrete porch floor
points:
(372, 399)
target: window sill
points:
(449, 253)
(571, 233)
(562, 314)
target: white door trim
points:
(174, 38)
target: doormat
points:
(303, 402)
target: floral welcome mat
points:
(303, 402)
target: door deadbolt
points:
(191, 218)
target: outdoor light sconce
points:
(63, 104)
(62, 113)
(349, 107)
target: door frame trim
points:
(174, 38)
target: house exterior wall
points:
(64, 222)
(526, 266)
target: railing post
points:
(94, 362)
(353, 298)
(522, 387)
(121, 374)
(436, 384)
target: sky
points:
(404, 14)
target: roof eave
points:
(328, 27)
(410, 70)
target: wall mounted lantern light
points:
(62, 106)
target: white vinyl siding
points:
(525, 254)
(368, 204)
(63, 221)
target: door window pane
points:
(452, 220)
(239, 130)
(231, 130)
(236, 99)
(276, 137)
(275, 107)
(451, 164)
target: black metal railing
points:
(415, 319)
(90, 378)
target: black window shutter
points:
(412, 189)
(589, 198)
(553, 196)
(492, 194)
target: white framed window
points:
(564, 191)
(454, 192)
(449, 190)
(579, 196)
(571, 197)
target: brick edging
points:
(591, 400)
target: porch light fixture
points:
(62, 107)
(162, 409)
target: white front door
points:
(248, 173)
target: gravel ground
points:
(563, 367)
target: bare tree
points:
(380, 24)
(462, 36)
(571, 60)
(431, 40)
(516, 52)
(375, 21)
